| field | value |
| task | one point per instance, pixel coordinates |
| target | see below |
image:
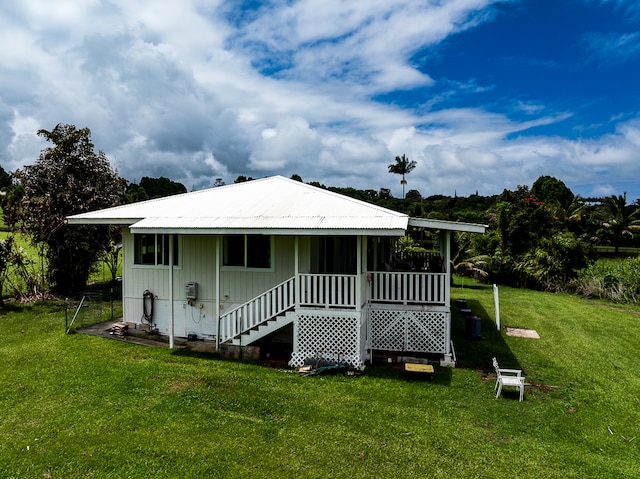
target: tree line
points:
(537, 237)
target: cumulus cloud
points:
(363, 43)
(205, 89)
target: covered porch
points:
(384, 304)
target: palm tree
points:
(619, 218)
(402, 166)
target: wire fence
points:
(92, 307)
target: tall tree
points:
(403, 167)
(619, 218)
(551, 190)
(68, 178)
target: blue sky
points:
(483, 95)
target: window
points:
(153, 250)
(334, 254)
(247, 251)
(233, 250)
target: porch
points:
(343, 317)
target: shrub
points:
(617, 280)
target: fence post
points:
(496, 301)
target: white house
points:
(239, 262)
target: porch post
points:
(171, 313)
(448, 356)
(296, 270)
(447, 265)
(359, 275)
(217, 290)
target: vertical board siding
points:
(197, 263)
(238, 286)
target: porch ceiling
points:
(447, 225)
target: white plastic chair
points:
(508, 377)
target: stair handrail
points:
(258, 310)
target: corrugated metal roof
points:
(275, 204)
(447, 225)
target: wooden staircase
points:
(259, 316)
(263, 329)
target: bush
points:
(617, 280)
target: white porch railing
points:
(408, 287)
(269, 304)
(328, 290)
(334, 291)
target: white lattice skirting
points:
(407, 330)
(329, 337)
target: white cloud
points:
(612, 48)
(179, 89)
(349, 41)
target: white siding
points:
(236, 286)
(197, 263)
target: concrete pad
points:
(523, 333)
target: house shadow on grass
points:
(477, 352)
(441, 375)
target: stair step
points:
(263, 329)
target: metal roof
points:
(447, 225)
(274, 205)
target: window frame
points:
(246, 254)
(160, 240)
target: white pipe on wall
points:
(217, 306)
(171, 314)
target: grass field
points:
(83, 406)
(13, 282)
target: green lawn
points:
(35, 267)
(83, 406)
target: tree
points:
(68, 178)
(554, 261)
(5, 178)
(7, 248)
(403, 167)
(413, 195)
(134, 193)
(619, 219)
(11, 202)
(111, 256)
(528, 245)
(161, 187)
(241, 179)
(551, 190)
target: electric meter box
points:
(191, 290)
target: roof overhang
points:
(154, 225)
(447, 225)
(80, 220)
(273, 232)
(230, 226)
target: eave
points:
(447, 225)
